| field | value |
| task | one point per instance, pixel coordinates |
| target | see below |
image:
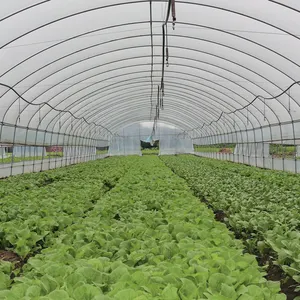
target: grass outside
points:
(55, 154)
(99, 152)
(49, 155)
(9, 159)
(150, 151)
(211, 149)
(276, 151)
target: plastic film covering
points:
(2, 153)
(29, 151)
(227, 75)
(129, 145)
(79, 151)
(126, 141)
(172, 140)
(255, 149)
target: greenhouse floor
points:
(121, 228)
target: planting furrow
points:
(260, 206)
(51, 202)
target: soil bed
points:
(274, 273)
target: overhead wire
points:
(247, 106)
(52, 107)
(165, 59)
(154, 26)
(81, 37)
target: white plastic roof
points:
(102, 61)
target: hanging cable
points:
(162, 101)
(158, 94)
(234, 125)
(165, 59)
(164, 26)
(289, 94)
(250, 103)
(173, 13)
(168, 12)
(72, 124)
(40, 116)
(152, 58)
(247, 115)
(19, 110)
(52, 107)
(167, 47)
(59, 121)
(265, 109)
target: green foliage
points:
(262, 205)
(145, 238)
(153, 151)
(146, 145)
(280, 150)
(214, 148)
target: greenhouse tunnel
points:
(225, 72)
(156, 148)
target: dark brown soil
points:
(274, 272)
(288, 288)
(220, 215)
(11, 257)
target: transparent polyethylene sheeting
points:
(173, 144)
(184, 145)
(261, 162)
(2, 153)
(168, 145)
(125, 146)
(172, 140)
(253, 149)
(94, 58)
(29, 151)
(79, 151)
(77, 74)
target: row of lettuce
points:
(262, 206)
(35, 206)
(137, 233)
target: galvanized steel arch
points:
(176, 74)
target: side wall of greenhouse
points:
(26, 150)
(273, 147)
